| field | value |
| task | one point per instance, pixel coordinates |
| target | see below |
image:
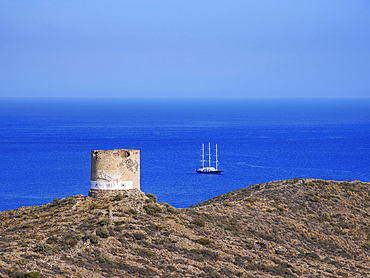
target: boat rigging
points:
(209, 169)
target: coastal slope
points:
(289, 228)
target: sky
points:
(185, 48)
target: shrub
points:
(152, 209)
(93, 206)
(105, 222)
(281, 209)
(312, 255)
(325, 216)
(199, 222)
(51, 240)
(55, 202)
(70, 201)
(118, 228)
(102, 232)
(94, 239)
(158, 227)
(226, 272)
(131, 211)
(69, 241)
(141, 272)
(344, 225)
(27, 226)
(211, 272)
(122, 239)
(240, 260)
(103, 259)
(170, 208)
(151, 197)
(139, 236)
(226, 204)
(249, 244)
(127, 235)
(366, 245)
(118, 197)
(201, 254)
(203, 241)
(33, 274)
(261, 244)
(144, 252)
(281, 269)
(44, 248)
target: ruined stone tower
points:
(114, 171)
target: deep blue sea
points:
(45, 143)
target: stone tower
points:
(113, 171)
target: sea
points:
(46, 143)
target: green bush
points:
(144, 252)
(69, 241)
(94, 239)
(44, 248)
(52, 240)
(170, 208)
(102, 232)
(325, 216)
(199, 222)
(93, 206)
(249, 244)
(203, 241)
(226, 204)
(151, 197)
(105, 222)
(33, 274)
(103, 259)
(55, 202)
(152, 209)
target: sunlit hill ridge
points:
(289, 228)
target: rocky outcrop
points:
(98, 193)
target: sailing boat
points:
(209, 169)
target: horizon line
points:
(181, 97)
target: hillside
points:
(290, 228)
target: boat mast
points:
(202, 156)
(216, 158)
(209, 154)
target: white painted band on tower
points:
(115, 169)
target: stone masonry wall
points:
(115, 169)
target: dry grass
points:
(291, 228)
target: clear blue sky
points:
(246, 48)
